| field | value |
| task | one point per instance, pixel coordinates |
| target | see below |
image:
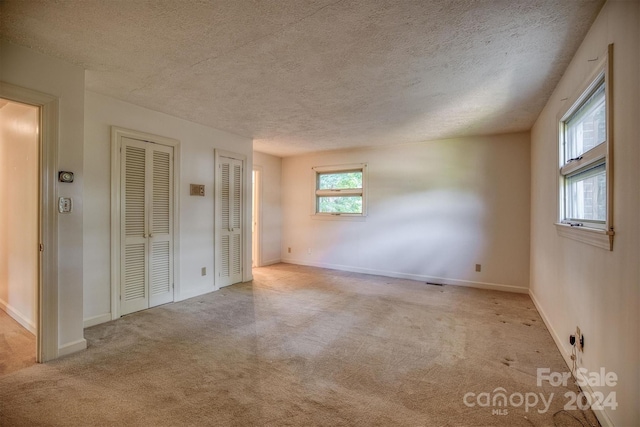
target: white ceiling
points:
(310, 75)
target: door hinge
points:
(41, 247)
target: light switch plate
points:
(65, 205)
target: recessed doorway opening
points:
(256, 210)
(19, 233)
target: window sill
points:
(343, 217)
(592, 236)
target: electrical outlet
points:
(478, 267)
(289, 250)
(309, 251)
(204, 271)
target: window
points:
(585, 162)
(339, 190)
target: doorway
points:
(19, 232)
(256, 215)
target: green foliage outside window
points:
(347, 203)
(342, 181)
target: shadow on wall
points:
(428, 217)
(432, 234)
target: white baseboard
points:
(602, 415)
(72, 347)
(417, 277)
(191, 293)
(556, 338)
(96, 320)
(18, 317)
(271, 262)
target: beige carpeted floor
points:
(17, 345)
(303, 346)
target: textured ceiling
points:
(310, 75)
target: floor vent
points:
(434, 284)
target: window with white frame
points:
(340, 190)
(585, 161)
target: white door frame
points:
(117, 133)
(47, 293)
(216, 261)
(256, 240)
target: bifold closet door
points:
(230, 193)
(146, 264)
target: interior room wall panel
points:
(575, 284)
(434, 211)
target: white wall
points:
(19, 175)
(435, 209)
(271, 218)
(197, 144)
(575, 284)
(24, 67)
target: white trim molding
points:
(18, 317)
(416, 277)
(362, 192)
(246, 216)
(47, 295)
(117, 133)
(96, 320)
(602, 415)
(592, 236)
(257, 200)
(72, 347)
(595, 233)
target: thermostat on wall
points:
(197, 190)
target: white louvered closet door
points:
(146, 277)
(230, 221)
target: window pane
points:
(587, 195)
(341, 180)
(348, 204)
(587, 127)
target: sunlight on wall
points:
(414, 234)
(431, 203)
(434, 210)
(19, 211)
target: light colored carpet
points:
(302, 346)
(17, 345)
